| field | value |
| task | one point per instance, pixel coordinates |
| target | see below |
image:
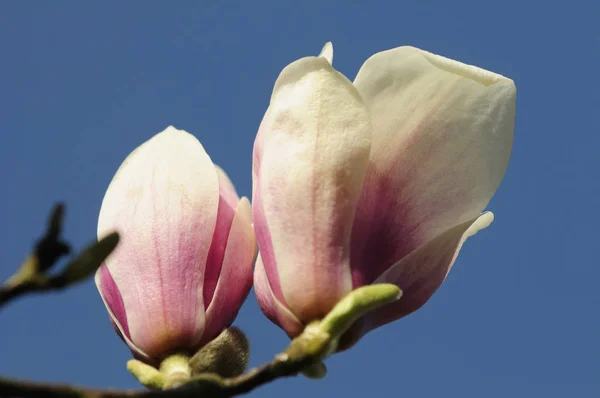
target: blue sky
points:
(83, 83)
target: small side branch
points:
(33, 277)
(304, 354)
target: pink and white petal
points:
(422, 272)
(261, 229)
(164, 201)
(228, 202)
(235, 278)
(311, 155)
(271, 306)
(442, 137)
(111, 297)
(227, 189)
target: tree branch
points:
(32, 276)
(299, 354)
(304, 354)
(26, 389)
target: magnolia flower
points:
(184, 264)
(376, 181)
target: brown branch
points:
(301, 353)
(32, 277)
(9, 291)
(26, 389)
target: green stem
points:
(355, 305)
(147, 375)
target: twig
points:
(306, 350)
(318, 340)
(26, 389)
(9, 292)
(32, 275)
(207, 385)
(310, 348)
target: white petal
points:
(442, 137)
(311, 154)
(327, 52)
(422, 272)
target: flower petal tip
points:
(327, 52)
(472, 72)
(399, 294)
(172, 130)
(484, 221)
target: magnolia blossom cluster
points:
(379, 180)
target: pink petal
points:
(164, 201)
(235, 279)
(443, 133)
(274, 309)
(261, 230)
(228, 201)
(421, 273)
(310, 157)
(116, 309)
(226, 188)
